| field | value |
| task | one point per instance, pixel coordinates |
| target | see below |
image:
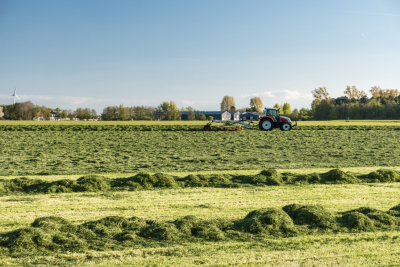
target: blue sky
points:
(70, 53)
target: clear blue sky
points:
(81, 53)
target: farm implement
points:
(266, 122)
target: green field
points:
(300, 123)
(334, 233)
(48, 152)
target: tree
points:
(123, 114)
(295, 115)
(200, 116)
(46, 112)
(286, 109)
(93, 114)
(375, 91)
(277, 106)
(191, 115)
(256, 104)
(63, 114)
(320, 94)
(227, 103)
(354, 93)
(304, 114)
(170, 110)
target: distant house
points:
(1, 112)
(53, 116)
(39, 116)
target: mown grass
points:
(209, 204)
(35, 153)
(147, 181)
(300, 123)
(123, 154)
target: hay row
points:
(146, 181)
(47, 235)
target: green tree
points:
(304, 114)
(227, 103)
(170, 110)
(295, 115)
(286, 109)
(63, 114)
(191, 114)
(93, 113)
(200, 116)
(277, 106)
(123, 114)
(256, 104)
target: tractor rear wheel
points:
(286, 126)
(207, 128)
(265, 125)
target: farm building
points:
(235, 115)
(217, 115)
(251, 115)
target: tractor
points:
(272, 120)
(266, 122)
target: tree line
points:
(355, 104)
(29, 111)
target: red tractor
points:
(272, 120)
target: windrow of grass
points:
(146, 181)
(180, 127)
(51, 234)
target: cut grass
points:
(57, 153)
(300, 123)
(147, 181)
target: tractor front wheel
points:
(286, 126)
(265, 125)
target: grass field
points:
(46, 152)
(53, 155)
(305, 123)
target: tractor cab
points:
(273, 113)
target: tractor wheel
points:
(265, 125)
(207, 128)
(286, 126)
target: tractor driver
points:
(272, 113)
